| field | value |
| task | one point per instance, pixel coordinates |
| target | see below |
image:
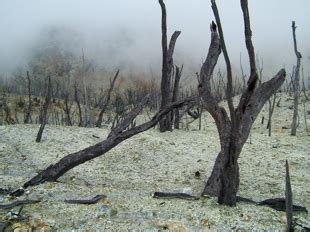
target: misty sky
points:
(127, 33)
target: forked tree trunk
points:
(107, 101)
(165, 124)
(233, 130)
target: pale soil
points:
(149, 162)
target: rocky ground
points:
(149, 162)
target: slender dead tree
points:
(165, 124)
(78, 103)
(295, 83)
(271, 106)
(117, 135)
(107, 101)
(233, 129)
(29, 108)
(45, 109)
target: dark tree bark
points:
(29, 108)
(233, 130)
(67, 109)
(288, 199)
(175, 95)
(166, 96)
(295, 83)
(120, 133)
(78, 103)
(107, 101)
(45, 110)
(271, 106)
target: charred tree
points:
(271, 106)
(165, 123)
(175, 95)
(29, 108)
(117, 135)
(233, 128)
(45, 110)
(78, 103)
(288, 200)
(295, 83)
(67, 109)
(107, 101)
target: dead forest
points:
(130, 152)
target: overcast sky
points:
(127, 32)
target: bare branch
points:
(227, 61)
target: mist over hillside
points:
(118, 34)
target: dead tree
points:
(165, 124)
(107, 101)
(45, 109)
(288, 200)
(271, 106)
(119, 133)
(233, 129)
(78, 103)
(175, 95)
(295, 83)
(67, 109)
(29, 108)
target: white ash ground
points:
(149, 162)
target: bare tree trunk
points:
(166, 96)
(107, 101)
(78, 102)
(120, 133)
(85, 93)
(67, 110)
(288, 200)
(45, 109)
(175, 96)
(295, 83)
(270, 112)
(28, 112)
(234, 130)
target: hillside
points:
(150, 162)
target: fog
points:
(126, 34)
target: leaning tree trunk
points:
(165, 124)
(295, 83)
(233, 130)
(118, 134)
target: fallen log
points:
(93, 200)
(18, 203)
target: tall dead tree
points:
(295, 83)
(233, 129)
(165, 124)
(27, 118)
(107, 101)
(45, 109)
